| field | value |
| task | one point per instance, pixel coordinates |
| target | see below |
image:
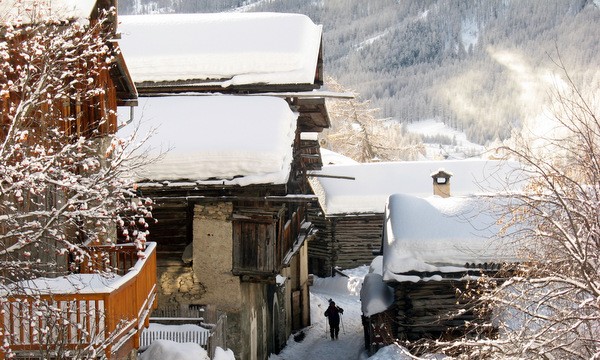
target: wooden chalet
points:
(434, 250)
(350, 217)
(232, 226)
(106, 319)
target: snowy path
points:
(317, 344)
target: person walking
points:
(333, 313)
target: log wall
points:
(429, 310)
(343, 242)
(172, 231)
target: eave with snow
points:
(435, 238)
(224, 52)
(364, 188)
(221, 141)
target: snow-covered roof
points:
(374, 182)
(28, 11)
(224, 48)
(229, 140)
(437, 234)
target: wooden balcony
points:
(86, 314)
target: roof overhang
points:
(126, 91)
(237, 53)
(216, 86)
(311, 105)
(313, 114)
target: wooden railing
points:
(84, 313)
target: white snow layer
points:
(167, 349)
(230, 140)
(374, 182)
(71, 284)
(441, 234)
(78, 283)
(228, 48)
(375, 295)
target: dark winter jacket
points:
(333, 314)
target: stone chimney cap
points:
(441, 183)
(441, 172)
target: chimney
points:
(441, 183)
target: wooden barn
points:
(97, 316)
(233, 103)
(352, 198)
(433, 248)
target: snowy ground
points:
(317, 344)
(345, 291)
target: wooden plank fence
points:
(210, 334)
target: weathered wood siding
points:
(172, 231)
(343, 242)
(430, 310)
(254, 246)
(93, 117)
(262, 240)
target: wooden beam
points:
(286, 198)
(331, 176)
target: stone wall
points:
(213, 248)
(212, 264)
(178, 286)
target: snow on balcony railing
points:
(81, 312)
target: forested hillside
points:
(483, 67)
